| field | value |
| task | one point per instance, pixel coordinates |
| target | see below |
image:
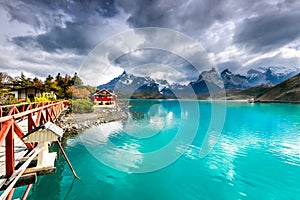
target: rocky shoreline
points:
(73, 124)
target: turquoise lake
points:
(172, 149)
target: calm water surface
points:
(257, 155)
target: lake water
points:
(182, 150)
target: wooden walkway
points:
(20, 149)
(15, 122)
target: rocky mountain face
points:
(131, 86)
(270, 75)
(287, 91)
(234, 80)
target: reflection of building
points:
(26, 92)
(104, 97)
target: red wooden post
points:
(26, 192)
(5, 129)
(10, 194)
(38, 118)
(47, 114)
(9, 151)
(11, 112)
(0, 117)
(31, 124)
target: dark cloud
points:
(148, 13)
(61, 24)
(265, 33)
(187, 16)
(72, 38)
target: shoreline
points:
(74, 123)
(276, 101)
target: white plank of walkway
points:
(20, 150)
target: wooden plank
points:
(2, 181)
(18, 173)
(25, 179)
(6, 118)
(40, 170)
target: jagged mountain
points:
(234, 80)
(287, 91)
(208, 81)
(272, 75)
(131, 86)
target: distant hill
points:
(246, 94)
(287, 91)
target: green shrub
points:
(44, 98)
(70, 105)
(82, 106)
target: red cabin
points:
(105, 97)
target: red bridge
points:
(16, 155)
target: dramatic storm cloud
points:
(42, 37)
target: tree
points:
(78, 93)
(76, 80)
(22, 80)
(37, 82)
(49, 84)
(58, 77)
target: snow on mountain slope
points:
(129, 83)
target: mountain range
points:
(255, 81)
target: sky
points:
(50, 36)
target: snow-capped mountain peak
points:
(207, 81)
(270, 75)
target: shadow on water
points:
(49, 186)
(70, 189)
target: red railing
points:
(36, 115)
(17, 108)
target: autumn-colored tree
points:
(37, 82)
(65, 87)
(78, 93)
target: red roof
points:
(104, 92)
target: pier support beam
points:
(9, 152)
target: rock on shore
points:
(75, 123)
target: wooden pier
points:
(17, 157)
